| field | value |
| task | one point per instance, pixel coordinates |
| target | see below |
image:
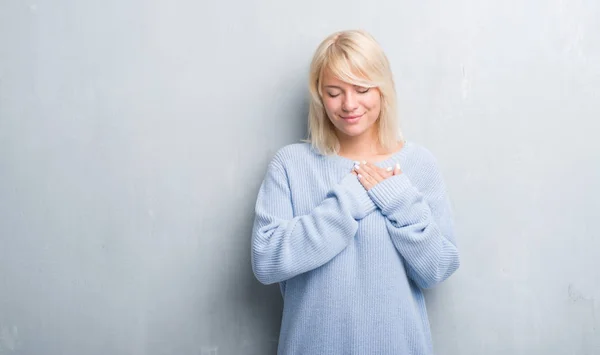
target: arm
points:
(420, 224)
(284, 246)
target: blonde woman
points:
(356, 221)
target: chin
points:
(353, 132)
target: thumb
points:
(397, 170)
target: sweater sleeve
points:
(284, 245)
(420, 224)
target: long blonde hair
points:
(354, 57)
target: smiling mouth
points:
(350, 117)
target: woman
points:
(354, 222)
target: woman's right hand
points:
(370, 174)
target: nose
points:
(350, 103)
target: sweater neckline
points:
(389, 161)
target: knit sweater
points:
(352, 263)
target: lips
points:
(352, 118)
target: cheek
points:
(373, 102)
(330, 105)
(377, 100)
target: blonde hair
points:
(354, 57)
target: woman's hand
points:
(370, 174)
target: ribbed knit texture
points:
(350, 262)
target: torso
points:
(362, 300)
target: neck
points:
(360, 146)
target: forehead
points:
(330, 79)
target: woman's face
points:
(353, 110)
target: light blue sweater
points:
(351, 263)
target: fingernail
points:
(364, 161)
(398, 166)
(357, 162)
(389, 168)
(356, 167)
(359, 176)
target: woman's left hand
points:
(370, 174)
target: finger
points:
(360, 174)
(371, 172)
(363, 170)
(381, 173)
(397, 170)
(365, 182)
(384, 173)
(366, 177)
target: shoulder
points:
(420, 156)
(293, 154)
(289, 158)
(422, 166)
